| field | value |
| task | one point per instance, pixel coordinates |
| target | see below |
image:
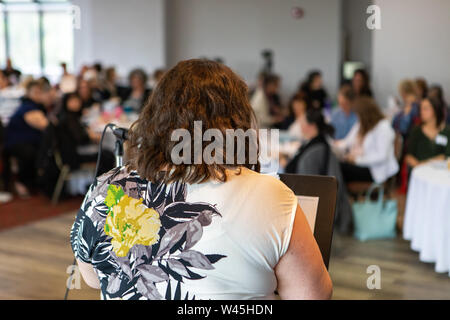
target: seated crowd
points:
(48, 121)
(354, 141)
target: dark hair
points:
(193, 90)
(437, 92)
(365, 90)
(438, 109)
(31, 84)
(270, 79)
(138, 73)
(306, 85)
(368, 112)
(299, 96)
(421, 83)
(67, 97)
(315, 116)
(347, 92)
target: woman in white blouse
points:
(368, 149)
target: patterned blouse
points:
(148, 241)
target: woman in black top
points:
(315, 157)
(361, 83)
(313, 88)
(312, 157)
(75, 135)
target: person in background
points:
(313, 87)
(316, 157)
(85, 92)
(77, 136)
(12, 74)
(157, 76)
(368, 150)
(421, 88)
(49, 98)
(409, 116)
(430, 140)
(4, 81)
(68, 82)
(109, 88)
(138, 93)
(437, 92)
(298, 106)
(343, 118)
(313, 156)
(23, 136)
(258, 85)
(361, 83)
(244, 236)
(266, 102)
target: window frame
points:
(40, 7)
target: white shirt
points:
(254, 232)
(260, 106)
(375, 151)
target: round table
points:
(427, 215)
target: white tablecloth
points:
(427, 215)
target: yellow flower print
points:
(129, 222)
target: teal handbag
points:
(375, 219)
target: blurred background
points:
(81, 64)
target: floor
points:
(21, 211)
(34, 259)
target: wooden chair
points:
(66, 174)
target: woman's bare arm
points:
(89, 275)
(36, 119)
(301, 273)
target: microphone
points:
(120, 133)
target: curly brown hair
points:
(369, 114)
(193, 90)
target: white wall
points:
(126, 34)
(238, 30)
(413, 41)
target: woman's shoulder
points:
(260, 182)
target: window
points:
(37, 35)
(2, 42)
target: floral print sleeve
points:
(140, 237)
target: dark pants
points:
(354, 173)
(25, 154)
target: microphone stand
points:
(118, 153)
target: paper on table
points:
(309, 206)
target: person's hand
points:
(350, 158)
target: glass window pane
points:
(58, 42)
(2, 41)
(16, 1)
(24, 41)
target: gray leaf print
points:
(114, 282)
(194, 233)
(196, 259)
(153, 273)
(171, 237)
(148, 290)
(177, 266)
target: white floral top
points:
(208, 241)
